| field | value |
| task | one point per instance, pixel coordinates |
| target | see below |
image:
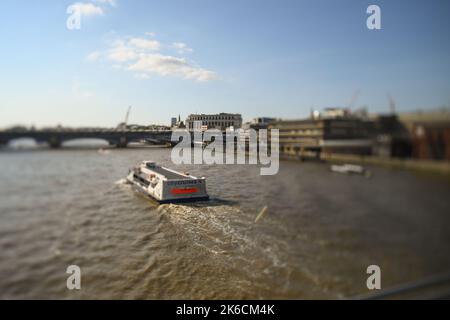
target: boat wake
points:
(221, 228)
(209, 227)
(121, 182)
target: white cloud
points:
(112, 3)
(143, 57)
(170, 66)
(182, 47)
(86, 9)
(120, 52)
(150, 34)
(141, 43)
(91, 9)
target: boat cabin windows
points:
(150, 165)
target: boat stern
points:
(184, 190)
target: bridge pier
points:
(122, 143)
(54, 143)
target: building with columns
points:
(220, 121)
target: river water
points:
(321, 230)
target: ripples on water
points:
(321, 231)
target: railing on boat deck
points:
(431, 288)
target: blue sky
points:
(258, 58)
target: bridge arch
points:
(84, 142)
(21, 143)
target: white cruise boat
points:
(165, 185)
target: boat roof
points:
(169, 174)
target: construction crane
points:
(127, 116)
(123, 125)
(391, 103)
(353, 100)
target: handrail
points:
(436, 280)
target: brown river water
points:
(321, 230)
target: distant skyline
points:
(258, 58)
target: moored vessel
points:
(348, 169)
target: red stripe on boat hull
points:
(184, 191)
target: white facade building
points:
(220, 121)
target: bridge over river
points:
(56, 137)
